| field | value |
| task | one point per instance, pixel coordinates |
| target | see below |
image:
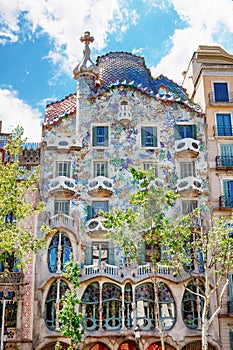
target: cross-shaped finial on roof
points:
(86, 38)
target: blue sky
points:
(40, 46)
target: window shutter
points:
(155, 140)
(176, 132)
(194, 131)
(143, 137)
(111, 255)
(89, 254)
(94, 136)
(106, 136)
(89, 212)
(142, 253)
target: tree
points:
(70, 321)
(16, 183)
(205, 248)
(145, 220)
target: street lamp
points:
(137, 332)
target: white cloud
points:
(206, 20)
(63, 21)
(15, 111)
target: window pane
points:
(188, 206)
(148, 166)
(186, 131)
(149, 136)
(100, 169)
(100, 136)
(63, 169)
(224, 124)
(99, 206)
(62, 207)
(221, 92)
(187, 169)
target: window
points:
(188, 206)
(53, 303)
(187, 169)
(185, 131)
(59, 252)
(90, 307)
(99, 252)
(192, 305)
(112, 309)
(226, 151)
(144, 298)
(10, 309)
(63, 169)
(221, 92)
(124, 109)
(96, 207)
(228, 193)
(166, 306)
(148, 166)
(100, 136)
(62, 207)
(224, 127)
(101, 169)
(149, 136)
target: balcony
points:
(223, 131)
(189, 184)
(100, 186)
(62, 184)
(225, 202)
(96, 224)
(119, 273)
(11, 278)
(226, 100)
(224, 162)
(187, 147)
(62, 143)
(62, 220)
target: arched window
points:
(144, 297)
(59, 252)
(166, 306)
(112, 300)
(192, 304)
(124, 109)
(90, 307)
(10, 305)
(53, 303)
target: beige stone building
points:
(209, 82)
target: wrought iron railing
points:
(226, 202)
(228, 98)
(220, 130)
(224, 161)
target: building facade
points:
(17, 286)
(209, 82)
(120, 116)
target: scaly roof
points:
(123, 69)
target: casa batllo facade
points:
(120, 116)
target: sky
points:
(40, 46)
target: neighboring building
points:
(120, 116)
(17, 287)
(209, 82)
